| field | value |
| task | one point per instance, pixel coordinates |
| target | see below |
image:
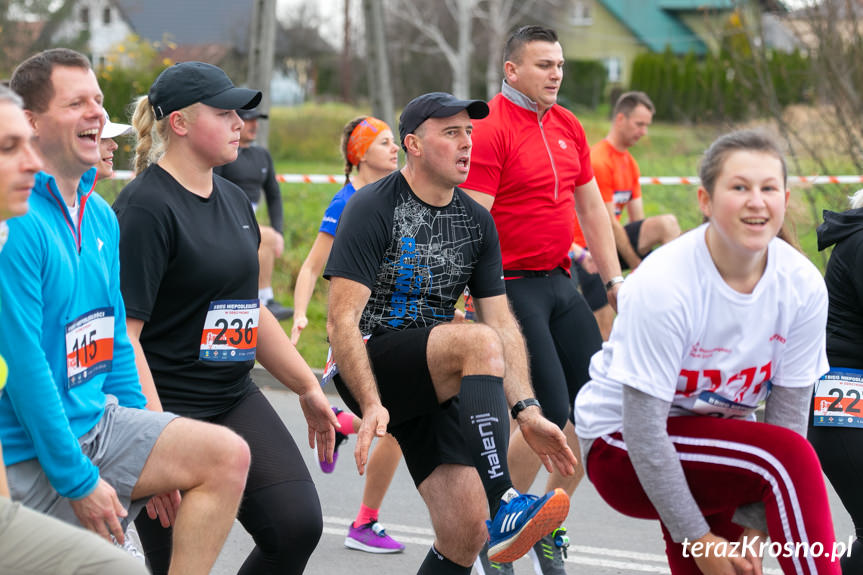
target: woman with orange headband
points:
(367, 145)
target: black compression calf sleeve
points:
(484, 420)
(437, 564)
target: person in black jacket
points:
(834, 429)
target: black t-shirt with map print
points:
(415, 258)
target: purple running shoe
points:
(372, 538)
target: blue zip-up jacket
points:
(51, 272)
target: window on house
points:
(614, 67)
(580, 13)
(106, 16)
(85, 15)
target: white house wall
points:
(103, 37)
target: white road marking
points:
(578, 554)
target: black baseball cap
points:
(436, 105)
(252, 114)
(187, 83)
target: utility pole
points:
(262, 50)
(380, 84)
(347, 71)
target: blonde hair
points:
(857, 199)
(153, 136)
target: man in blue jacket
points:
(77, 441)
(67, 550)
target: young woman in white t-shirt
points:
(712, 324)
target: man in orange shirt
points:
(617, 174)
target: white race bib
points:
(713, 404)
(230, 330)
(89, 346)
(837, 398)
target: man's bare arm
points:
(594, 220)
(635, 209)
(496, 313)
(621, 240)
(485, 200)
(347, 300)
(543, 436)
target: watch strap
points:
(523, 404)
(613, 282)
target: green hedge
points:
(718, 87)
(310, 132)
(128, 72)
(584, 84)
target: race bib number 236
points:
(230, 331)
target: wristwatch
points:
(613, 282)
(523, 404)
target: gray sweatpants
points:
(35, 544)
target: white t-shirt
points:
(685, 336)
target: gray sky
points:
(330, 13)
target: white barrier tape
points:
(794, 180)
(645, 180)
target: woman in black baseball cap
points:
(189, 278)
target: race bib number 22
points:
(838, 397)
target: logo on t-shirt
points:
(562, 144)
(404, 300)
(697, 351)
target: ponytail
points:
(142, 122)
(152, 135)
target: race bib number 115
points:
(89, 345)
(837, 398)
(230, 331)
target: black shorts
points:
(591, 287)
(428, 433)
(633, 231)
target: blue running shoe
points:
(522, 521)
(485, 567)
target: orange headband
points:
(362, 137)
